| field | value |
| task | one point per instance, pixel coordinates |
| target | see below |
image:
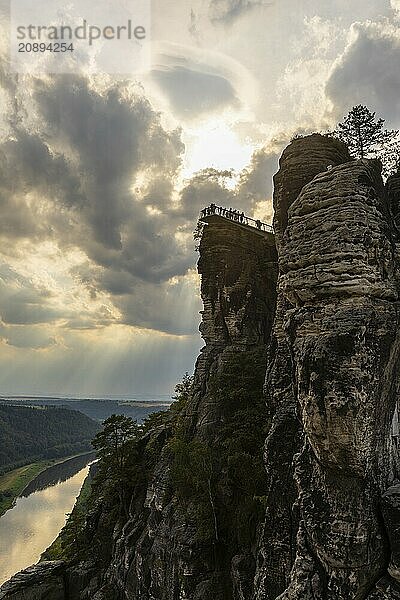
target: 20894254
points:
(45, 47)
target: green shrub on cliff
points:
(219, 479)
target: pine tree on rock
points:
(364, 134)
(116, 449)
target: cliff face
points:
(300, 163)
(238, 268)
(159, 554)
(337, 339)
(326, 345)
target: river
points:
(39, 514)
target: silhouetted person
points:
(258, 223)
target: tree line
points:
(28, 434)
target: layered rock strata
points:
(238, 268)
(303, 160)
(40, 582)
(337, 330)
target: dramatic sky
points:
(102, 178)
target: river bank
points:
(13, 483)
(55, 550)
(39, 514)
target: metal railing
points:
(236, 216)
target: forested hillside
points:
(28, 434)
(96, 408)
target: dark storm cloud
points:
(227, 11)
(255, 182)
(368, 72)
(33, 158)
(97, 171)
(27, 166)
(192, 93)
(114, 135)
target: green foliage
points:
(364, 134)
(127, 453)
(194, 474)
(181, 397)
(116, 446)
(111, 442)
(221, 480)
(182, 393)
(30, 434)
(217, 480)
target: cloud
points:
(89, 169)
(197, 82)
(70, 178)
(23, 303)
(174, 312)
(114, 135)
(255, 182)
(29, 337)
(206, 186)
(192, 92)
(368, 72)
(253, 185)
(228, 11)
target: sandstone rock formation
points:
(238, 268)
(156, 555)
(337, 333)
(300, 163)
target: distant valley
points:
(98, 409)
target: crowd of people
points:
(233, 215)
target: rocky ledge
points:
(44, 581)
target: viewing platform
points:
(210, 213)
